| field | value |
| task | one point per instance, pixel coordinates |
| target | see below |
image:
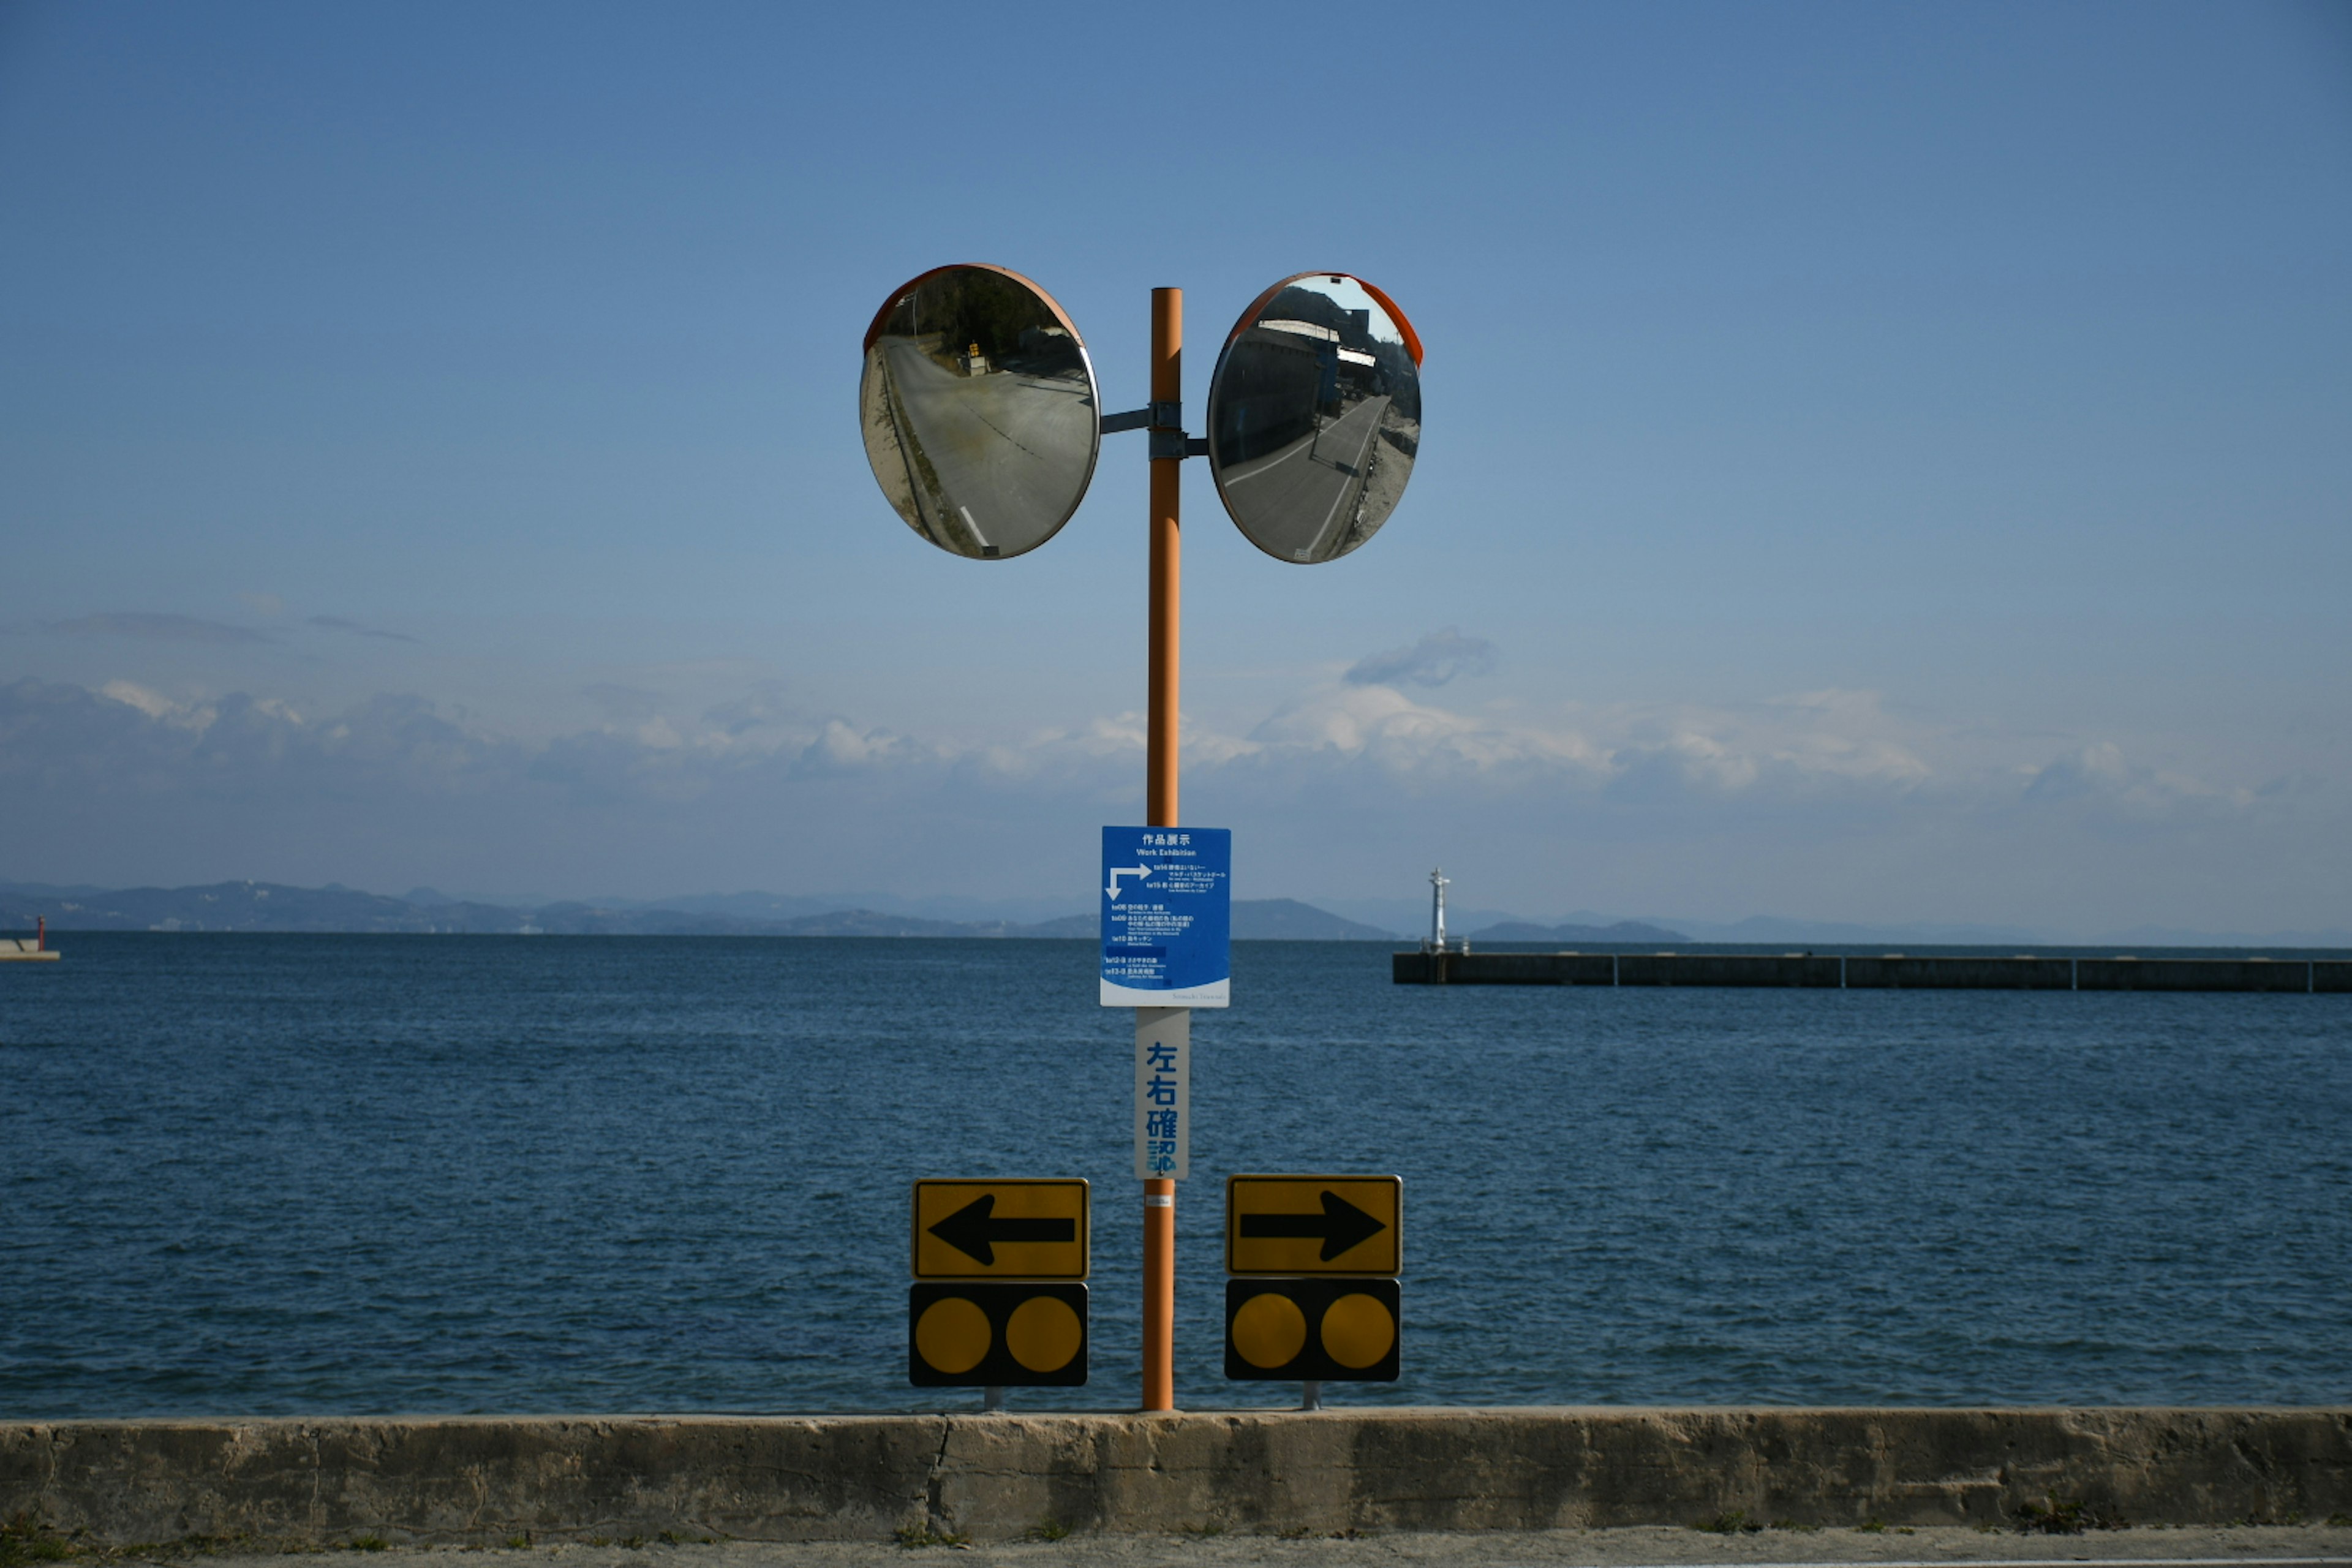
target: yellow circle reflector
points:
(1358, 1331)
(953, 1334)
(1269, 1330)
(1043, 1333)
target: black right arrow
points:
(971, 1232)
(1340, 1225)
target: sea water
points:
(255, 1174)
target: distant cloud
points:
(1433, 661)
(2093, 771)
(152, 703)
(2101, 775)
(1814, 746)
(157, 628)
(1820, 748)
(263, 604)
(337, 624)
(1822, 789)
(766, 707)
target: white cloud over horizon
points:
(1825, 801)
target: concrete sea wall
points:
(1882, 971)
(997, 1476)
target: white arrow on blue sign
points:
(1167, 917)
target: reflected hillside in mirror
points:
(978, 412)
(1315, 419)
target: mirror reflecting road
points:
(1314, 416)
(979, 411)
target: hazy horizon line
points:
(1463, 919)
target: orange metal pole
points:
(1160, 806)
(1167, 565)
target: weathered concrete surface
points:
(2193, 974)
(995, 1477)
(1879, 971)
(1895, 971)
(1637, 1546)
(1727, 969)
(1503, 969)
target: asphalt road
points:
(1010, 451)
(1296, 502)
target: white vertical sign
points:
(1163, 1093)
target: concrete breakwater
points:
(1883, 972)
(490, 1480)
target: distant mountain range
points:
(1287, 919)
(1618, 931)
(274, 907)
(1780, 931)
(1587, 925)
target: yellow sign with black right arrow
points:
(1313, 1224)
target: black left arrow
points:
(1340, 1226)
(971, 1232)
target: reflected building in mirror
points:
(979, 411)
(1314, 416)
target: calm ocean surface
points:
(364, 1175)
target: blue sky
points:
(1880, 462)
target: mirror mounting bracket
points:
(1165, 421)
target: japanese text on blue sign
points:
(1167, 917)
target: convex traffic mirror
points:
(979, 410)
(1315, 415)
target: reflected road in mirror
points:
(979, 411)
(1314, 416)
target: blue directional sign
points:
(1167, 917)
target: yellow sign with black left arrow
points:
(1009, 1228)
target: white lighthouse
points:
(1435, 942)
